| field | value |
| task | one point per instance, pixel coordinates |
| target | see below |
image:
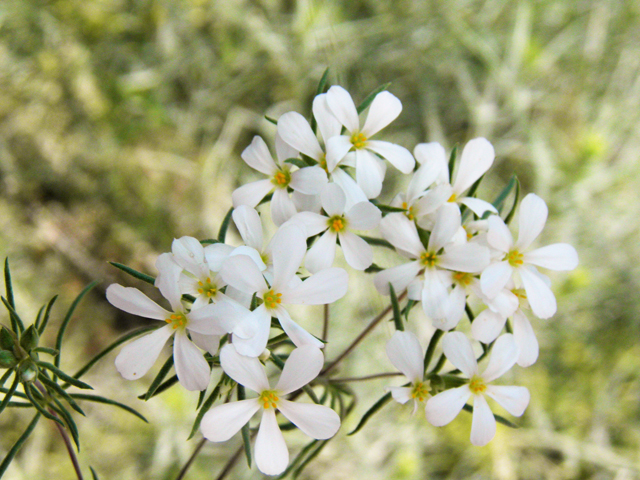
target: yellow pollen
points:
(272, 299)
(452, 198)
(177, 321)
(420, 391)
(322, 162)
(428, 259)
(337, 223)
(358, 141)
(207, 288)
(463, 278)
(477, 385)
(520, 293)
(269, 399)
(281, 179)
(515, 258)
(410, 212)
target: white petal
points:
(317, 421)
(313, 223)
(210, 343)
(483, 425)
(445, 406)
(223, 421)
(188, 253)
(351, 189)
(308, 180)
(192, 369)
(254, 333)
(433, 199)
(455, 307)
(288, 247)
(328, 124)
(503, 356)
(400, 277)
(217, 318)
(342, 106)
(499, 236)
(282, 207)
(258, 157)
(337, 149)
(363, 216)
(133, 301)
(477, 157)
(252, 193)
(532, 217)
(401, 394)
(136, 358)
(383, 110)
(421, 180)
(446, 226)
(435, 298)
(369, 173)
(540, 297)
(306, 203)
(298, 335)
(241, 272)
(302, 366)
(168, 280)
(284, 151)
(494, 278)
(405, 353)
(249, 226)
(322, 253)
(272, 456)
(467, 257)
(526, 340)
(487, 326)
(402, 233)
(504, 303)
(357, 252)
(397, 156)
(478, 206)
(333, 199)
(321, 288)
(513, 399)
(215, 254)
(295, 130)
(250, 252)
(457, 348)
(247, 371)
(559, 256)
(433, 153)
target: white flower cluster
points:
(323, 191)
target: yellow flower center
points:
(358, 140)
(452, 198)
(281, 179)
(322, 162)
(428, 259)
(463, 278)
(272, 299)
(410, 212)
(477, 385)
(269, 399)
(337, 223)
(420, 391)
(207, 288)
(177, 320)
(515, 258)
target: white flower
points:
(370, 170)
(288, 249)
(477, 157)
(306, 180)
(559, 256)
(441, 253)
(445, 406)
(362, 216)
(405, 353)
(294, 129)
(136, 358)
(223, 421)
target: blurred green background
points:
(121, 127)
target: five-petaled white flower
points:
(445, 406)
(370, 170)
(223, 421)
(405, 353)
(136, 358)
(559, 256)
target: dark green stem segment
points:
(437, 335)
(397, 317)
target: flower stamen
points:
(269, 399)
(337, 223)
(272, 299)
(281, 179)
(428, 259)
(477, 385)
(515, 258)
(358, 140)
(420, 391)
(177, 320)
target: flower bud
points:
(437, 384)
(7, 338)
(28, 371)
(264, 356)
(7, 359)
(30, 338)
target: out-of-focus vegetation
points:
(121, 125)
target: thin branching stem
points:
(360, 337)
(363, 379)
(193, 456)
(325, 325)
(231, 463)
